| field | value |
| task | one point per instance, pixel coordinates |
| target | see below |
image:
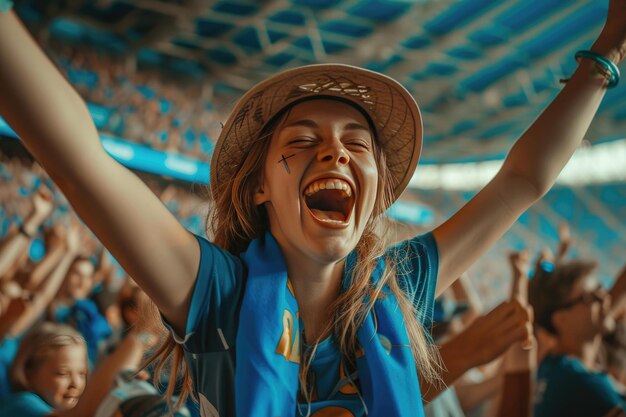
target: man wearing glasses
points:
(570, 304)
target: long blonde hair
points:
(236, 220)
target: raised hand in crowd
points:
(518, 262)
(483, 341)
(17, 241)
(42, 291)
(56, 245)
(520, 360)
(565, 241)
(105, 271)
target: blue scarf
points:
(269, 345)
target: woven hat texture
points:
(392, 109)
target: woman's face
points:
(60, 380)
(320, 180)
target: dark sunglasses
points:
(587, 298)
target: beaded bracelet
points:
(5, 5)
(607, 67)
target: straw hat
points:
(389, 105)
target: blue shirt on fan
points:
(209, 342)
(24, 404)
(566, 388)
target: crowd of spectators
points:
(67, 308)
(172, 113)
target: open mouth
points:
(330, 200)
(70, 398)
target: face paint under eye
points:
(284, 161)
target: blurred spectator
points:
(615, 357)
(48, 373)
(50, 369)
(80, 310)
(570, 304)
(140, 106)
(485, 339)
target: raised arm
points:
(565, 242)
(534, 162)
(55, 249)
(105, 272)
(17, 242)
(488, 337)
(45, 292)
(520, 360)
(125, 215)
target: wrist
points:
(609, 49)
(455, 360)
(519, 360)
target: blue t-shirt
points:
(8, 350)
(24, 404)
(212, 324)
(566, 388)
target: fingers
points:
(42, 202)
(510, 321)
(503, 310)
(522, 328)
(564, 232)
(545, 257)
(519, 260)
(529, 341)
(519, 265)
(44, 193)
(508, 324)
(565, 240)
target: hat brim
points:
(392, 109)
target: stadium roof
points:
(481, 70)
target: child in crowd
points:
(297, 307)
(48, 373)
(80, 310)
